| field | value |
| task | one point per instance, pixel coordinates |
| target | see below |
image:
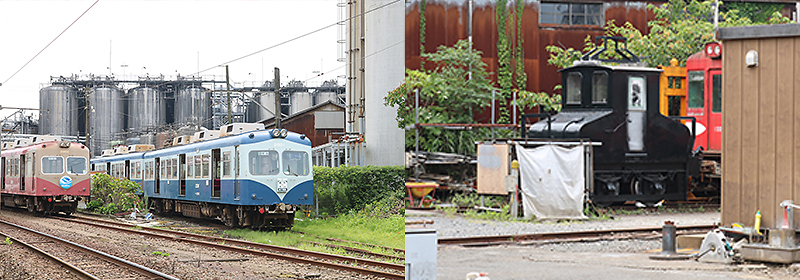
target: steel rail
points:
(558, 236)
(80, 272)
(153, 274)
(356, 250)
(225, 246)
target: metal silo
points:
(301, 100)
(146, 108)
(193, 107)
(106, 116)
(257, 113)
(59, 106)
(323, 96)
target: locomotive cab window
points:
(573, 89)
(264, 162)
(52, 165)
(600, 87)
(76, 165)
(716, 93)
(696, 91)
(295, 163)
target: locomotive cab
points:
(643, 155)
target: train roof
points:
(25, 149)
(233, 140)
(598, 64)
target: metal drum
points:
(146, 108)
(106, 116)
(59, 106)
(193, 107)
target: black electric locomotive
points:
(643, 155)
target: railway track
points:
(390, 270)
(593, 235)
(82, 261)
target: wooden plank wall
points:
(760, 113)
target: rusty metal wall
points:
(447, 21)
(304, 124)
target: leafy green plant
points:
(113, 195)
(160, 254)
(8, 240)
(378, 191)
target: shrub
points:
(343, 189)
(112, 195)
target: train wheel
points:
(647, 189)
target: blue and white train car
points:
(253, 179)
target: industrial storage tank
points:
(300, 100)
(193, 106)
(257, 113)
(323, 96)
(106, 116)
(59, 106)
(146, 108)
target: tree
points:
(680, 29)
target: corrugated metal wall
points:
(761, 105)
(447, 21)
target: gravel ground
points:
(624, 259)
(140, 250)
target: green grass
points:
(388, 232)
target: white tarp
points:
(553, 181)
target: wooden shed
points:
(761, 122)
(319, 122)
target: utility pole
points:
(228, 82)
(277, 98)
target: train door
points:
(182, 175)
(216, 166)
(157, 170)
(637, 113)
(22, 174)
(697, 106)
(236, 172)
(714, 110)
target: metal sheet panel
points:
(329, 120)
(492, 168)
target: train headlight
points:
(276, 133)
(284, 133)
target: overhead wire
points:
(51, 42)
(296, 38)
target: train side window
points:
(52, 165)
(168, 168)
(206, 162)
(716, 93)
(295, 163)
(574, 88)
(264, 162)
(599, 87)
(226, 164)
(190, 167)
(197, 167)
(174, 168)
(76, 165)
(696, 91)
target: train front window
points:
(264, 162)
(716, 93)
(599, 88)
(573, 88)
(696, 92)
(52, 165)
(295, 163)
(76, 165)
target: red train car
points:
(704, 97)
(45, 177)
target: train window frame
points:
(286, 163)
(226, 164)
(84, 165)
(571, 14)
(256, 154)
(716, 93)
(206, 166)
(189, 166)
(695, 80)
(197, 166)
(595, 87)
(573, 98)
(47, 168)
(174, 168)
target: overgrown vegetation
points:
(679, 29)
(113, 195)
(345, 189)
